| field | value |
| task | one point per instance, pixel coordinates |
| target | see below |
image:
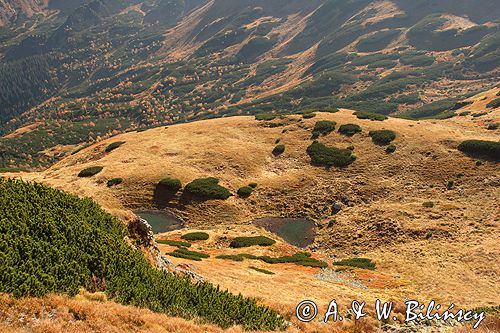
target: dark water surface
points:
(296, 231)
(160, 221)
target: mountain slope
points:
(130, 64)
(383, 200)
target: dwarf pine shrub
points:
(89, 172)
(382, 137)
(330, 156)
(349, 129)
(113, 146)
(195, 236)
(239, 242)
(208, 189)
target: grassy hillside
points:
(53, 242)
(138, 64)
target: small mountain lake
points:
(296, 231)
(161, 221)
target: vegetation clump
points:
(481, 148)
(172, 185)
(349, 129)
(261, 270)
(113, 146)
(240, 242)
(494, 104)
(357, 262)
(265, 117)
(253, 185)
(428, 204)
(370, 115)
(330, 156)
(323, 127)
(382, 137)
(69, 243)
(278, 150)
(299, 258)
(174, 243)
(207, 188)
(390, 149)
(89, 172)
(184, 253)
(493, 127)
(308, 115)
(245, 191)
(195, 236)
(114, 182)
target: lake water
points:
(296, 231)
(161, 221)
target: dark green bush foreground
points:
(299, 258)
(494, 104)
(184, 253)
(349, 129)
(89, 172)
(53, 242)
(278, 150)
(195, 236)
(207, 188)
(330, 156)
(481, 148)
(245, 191)
(239, 242)
(370, 115)
(357, 262)
(382, 137)
(172, 185)
(323, 127)
(114, 182)
(114, 146)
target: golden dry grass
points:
(449, 253)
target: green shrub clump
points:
(67, 243)
(382, 137)
(253, 185)
(278, 150)
(195, 236)
(357, 262)
(114, 182)
(172, 185)
(113, 146)
(493, 127)
(184, 253)
(89, 172)
(390, 149)
(240, 242)
(308, 115)
(299, 258)
(428, 204)
(207, 188)
(245, 191)
(261, 270)
(494, 104)
(330, 156)
(174, 243)
(370, 115)
(323, 127)
(349, 129)
(481, 148)
(265, 117)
